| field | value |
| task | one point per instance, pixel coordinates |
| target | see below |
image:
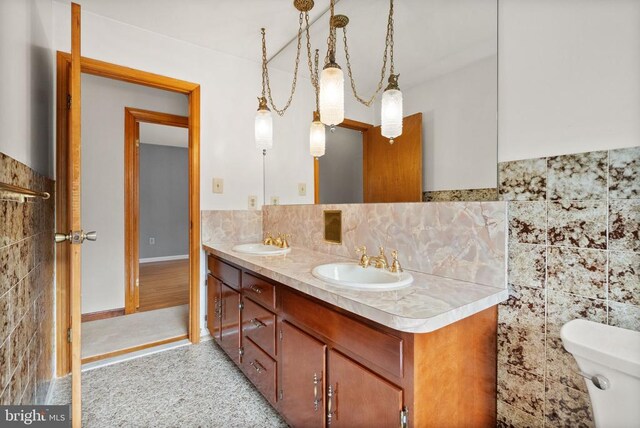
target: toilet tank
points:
(614, 353)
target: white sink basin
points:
(261, 249)
(352, 275)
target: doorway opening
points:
(360, 165)
(141, 324)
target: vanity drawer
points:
(374, 347)
(259, 325)
(224, 272)
(259, 290)
(260, 369)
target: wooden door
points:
(360, 398)
(75, 219)
(302, 367)
(393, 172)
(214, 292)
(230, 321)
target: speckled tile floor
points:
(192, 386)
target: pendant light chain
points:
(265, 68)
(388, 52)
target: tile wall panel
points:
(574, 252)
(26, 287)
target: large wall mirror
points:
(446, 54)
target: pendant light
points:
(332, 77)
(317, 136)
(263, 126)
(391, 111)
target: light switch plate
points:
(253, 202)
(218, 185)
(275, 200)
(152, 241)
(302, 189)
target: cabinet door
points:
(356, 397)
(230, 322)
(214, 289)
(302, 378)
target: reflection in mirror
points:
(446, 55)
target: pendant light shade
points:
(332, 95)
(317, 136)
(391, 111)
(263, 126)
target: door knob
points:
(76, 237)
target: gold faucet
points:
(268, 239)
(280, 241)
(395, 265)
(380, 261)
(364, 259)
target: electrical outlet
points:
(302, 189)
(218, 185)
(253, 202)
(275, 200)
(152, 241)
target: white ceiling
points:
(432, 37)
(163, 135)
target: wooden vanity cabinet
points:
(214, 296)
(320, 365)
(302, 383)
(223, 312)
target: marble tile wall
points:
(226, 226)
(460, 240)
(574, 252)
(26, 288)
(486, 194)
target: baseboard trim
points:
(164, 259)
(100, 315)
(119, 352)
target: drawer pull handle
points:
(316, 401)
(257, 323)
(257, 366)
(256, 289)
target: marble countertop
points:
(429, 303)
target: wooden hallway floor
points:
(164, 284)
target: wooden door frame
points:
(130, 75)
(132, 119)
(347, 124)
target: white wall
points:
(26, 83)
(459, 130)
(103, 103)
(569, 76)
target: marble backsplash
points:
(574, 252)
(26, 287)
(460, 240)
(227, 226)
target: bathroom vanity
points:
(421, 356)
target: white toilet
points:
(609, 357)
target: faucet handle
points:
(364, 259)
(285, 241)
(395, 265)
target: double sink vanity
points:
(332, 341)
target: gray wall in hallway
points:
(341, 168)
(164, 197)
